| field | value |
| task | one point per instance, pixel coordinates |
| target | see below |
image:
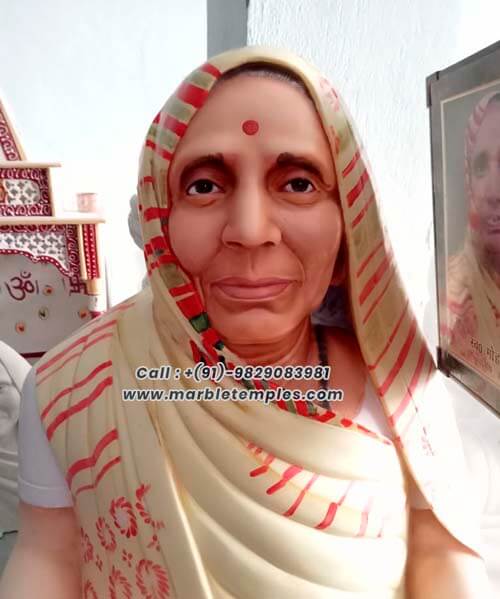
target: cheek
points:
(315, 239)
(478, 190)
(194, 237)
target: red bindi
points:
(250, 127)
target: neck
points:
(293, 348)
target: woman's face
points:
(486, 178)
(254, 218)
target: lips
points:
(240, 288)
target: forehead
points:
(489, 132)
(287, 120)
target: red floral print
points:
(88, 591)
(152, 580)
(119, 586)
(98, 562)
(87, 548)
(127, 558)
(123, 517)
(141, 508)
(154, 543)
(106, 535)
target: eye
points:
(299, 185)
(480, 165)
(202, 187)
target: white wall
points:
(83, 81)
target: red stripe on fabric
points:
(159, 243)
(84, 463)
(174, 125)
(374, 279)
(332, 510)
(364, 518)
(411, 389)
(102, 472)
(158, 150)
(330, 515)
(166, 259)
(156, 120)
(78, 384)
(147, 179)
(293, 508)
(391, 338)
(355, 192)
(192, 94)
(210, 336)
(400, 360)
(301, 408)
(289, 473)
(367, 260)
(258, 385)
(351, 164)
(78, 341)
(264, 468)
(209, 68)
(399, 438)
(73, 356)
(182, 289)
(379, 297)
(155, 212)
(327, 416)
(78, 407)
(282, 405)
(362, 212)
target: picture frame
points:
(464, 111)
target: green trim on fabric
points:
(311, 408)
(201, 79)
(172, 276)
(166, 138)
(200, 323)
(247, 384)
(180, 110)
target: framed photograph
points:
(464, 105)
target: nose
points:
(250, 222)
(492, 188)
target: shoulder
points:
(77, 354)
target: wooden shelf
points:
(27, 164)
(67, 218)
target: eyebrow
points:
(284, 159)
(208, 160)
(288, 159)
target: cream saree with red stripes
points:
(242, 500)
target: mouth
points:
(493, 223)
(240, 288)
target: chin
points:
(251, 327)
